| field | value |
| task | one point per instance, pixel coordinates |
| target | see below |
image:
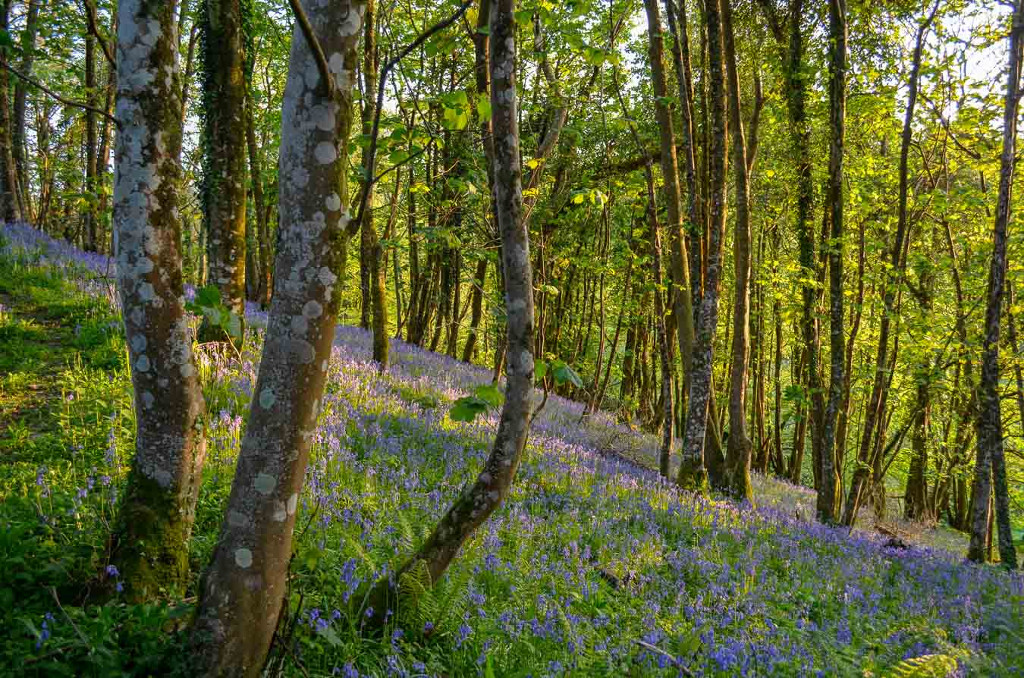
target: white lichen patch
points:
(267, 398)
(332, 202)
(293, 501)
(243, 558)
(264, 483)
(326, 152)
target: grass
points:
(594, 566)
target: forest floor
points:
(594, 565)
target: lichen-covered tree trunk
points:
(692, 472)
(224, 163)
(828, 472)
(480, 499)
(739, 450)
(243, 589)
(151, 542)
(989, 422)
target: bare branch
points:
(58, 97)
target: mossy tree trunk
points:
(151, 542)
(224, 162)
(828, 473)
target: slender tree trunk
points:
(681, 299)
(480, 499)
(738, 458)
(266, 270)
(224, 167)
(876, 401)
(989, 422)
(91, 236)
(477, 305)
(151, 541)
(828, 469)
(10, 210)
(243, 588)
(692, 472)
(20, 135)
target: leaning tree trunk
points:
(692, 472)
(828, 471)
(483, 497)
(737, 463)
(243, 589)
(989, 423)
(151, 541)
(224, 162)
(91, 216)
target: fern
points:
(927, 666)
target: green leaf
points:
(540, 370)
(483, 107)
(466, 409)
(490, 394)
(208, 296)
(565, 374)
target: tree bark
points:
(243, 588)
(224, 166)
(20, 136)
(692, 472)
(484, 496)
(10, 210)
(828, 469)
(151, 541)
(680, 272)
(989, 423)
(739, 449)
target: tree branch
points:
(58, 97)
(314, 46)
(375, 132)
(90, 14)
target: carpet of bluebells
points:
(594, 565)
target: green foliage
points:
(209, 305)
(485, 397)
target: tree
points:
(990, 459)
(224, 156)
(244, 586)
(692, 473)
(156, 515)
(737, 463)
(482, 498)
(829, 470)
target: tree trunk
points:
(692, 472)
(371, 257)
(266, 270)
(989, 422)
(91, 187)
(20, 135)
(151, 541)
(224, 167)
(739, 450)
(828, 468)
(243, 589)
(680, 272)
(481, 499)
(10, 210)
(876, 401)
